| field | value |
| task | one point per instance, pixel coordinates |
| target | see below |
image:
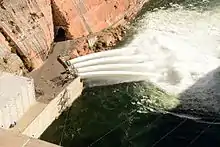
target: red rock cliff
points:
(81, 17)
(27, 26)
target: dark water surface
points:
(106, 117)
(116, 116)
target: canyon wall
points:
(27, 26)
(83, 17)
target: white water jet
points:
(141, 67)
(112, 77)
(109, 53)
(110, 74)
(112, 60)
(180, 46)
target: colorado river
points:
(180, 106)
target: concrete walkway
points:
(9, 139)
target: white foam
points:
(181, 46)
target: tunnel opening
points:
(60, 35)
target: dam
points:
(84, 73)
(32, 35)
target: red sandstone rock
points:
(9, 62)
(74, 54)
(92, 4)
(4, 47)
(82, 52)
(90, 16)
(46, 23)
(105, 40)
(66, 13)
(29, 25)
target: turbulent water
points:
(183, 47)
(182, 42)
(179, 49)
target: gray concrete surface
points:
(16, 97)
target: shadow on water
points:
(203, 97)
(108, 116)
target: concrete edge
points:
(9, 139)
(40, 116)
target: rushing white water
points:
(111, 60)
(112, 77)
(141, 67)
(180, 46)
(109, 53)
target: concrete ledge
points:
(28, 118)
(40, 116)
(9, 139)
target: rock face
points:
(27, 26)
(9, 62)
(79, 18)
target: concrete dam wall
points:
(28, 28)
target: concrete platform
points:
(9, 139)
(17, 95)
